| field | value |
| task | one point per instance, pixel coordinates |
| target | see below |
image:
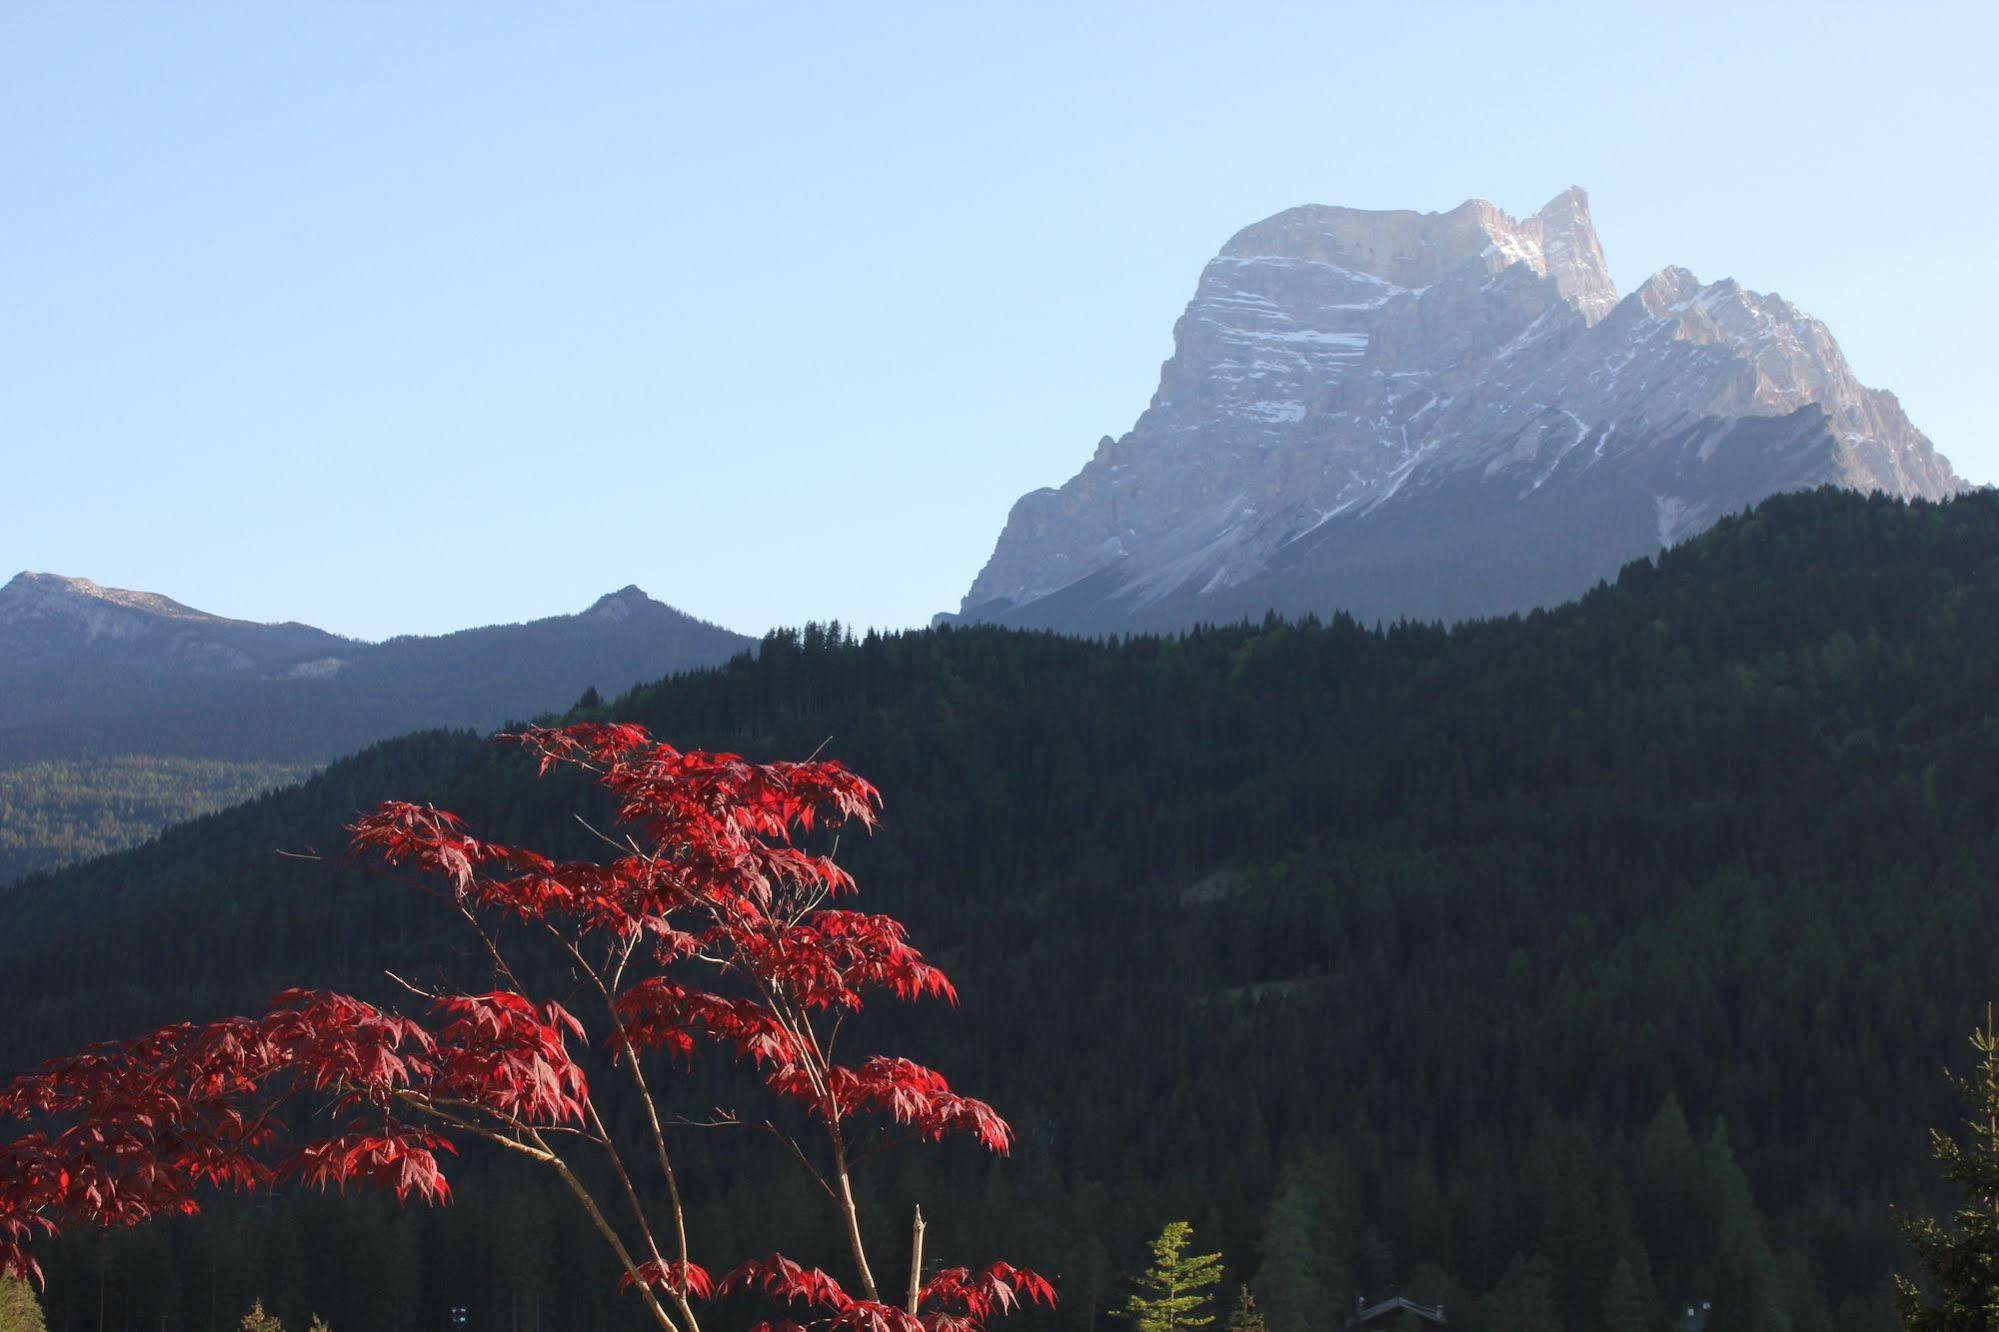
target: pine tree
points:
(258, 1321)
(1245, 1317)
(1625, 1306)
(1302, 1281)
(1748, 1291)
(1378, 1269)
(1525, 1297)
(317, 1324)
(1175, 1292)
(1961, 1263)
(20, 1311)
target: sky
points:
(396, 318)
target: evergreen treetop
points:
(1625, 1305)
(1301, 1275)
(1176, 1291)
(256, 1320)
(1961, 1263)
(1245, 1317)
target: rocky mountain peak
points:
(1342, 371)
(36, 595)
(1417, 250)
(49, 619)
(622, 604)
(1571, 254)
(1666, 289)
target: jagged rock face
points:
(1348, 383)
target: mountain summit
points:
(47, 619)
(87, 671)
(1439, 415)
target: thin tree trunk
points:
(851, 1215)
(915, 1261)
(610, 1235)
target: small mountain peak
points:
(1569, 203)
(621, 604)
(30, 580)
(29, 590)
(1667, 288)
(1572, 255)
(1559, 242)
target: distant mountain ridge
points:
(1439, 415)
(123, 710)
(48, 619)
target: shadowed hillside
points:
(1627, 937)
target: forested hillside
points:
(59, 811)
(1566, 969)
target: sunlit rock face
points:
(1438, 415)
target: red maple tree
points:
(709, 925)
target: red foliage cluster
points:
(907, 1093)
(954, 1300)
(675, 1277)
(507, 1055)
(709, 925)
(132, 1131)
(401, 1158)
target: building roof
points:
(1396, 1304)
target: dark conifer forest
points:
(1567, 970)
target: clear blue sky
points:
(402, 318)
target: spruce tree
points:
(1525, 1297)
(1176, 1291)
(1747, 1288)
(1302, 1281)
(258, 1321)
(1961, 1263)
(1245, 1317)
(20, 1311)
(1626, 1307)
